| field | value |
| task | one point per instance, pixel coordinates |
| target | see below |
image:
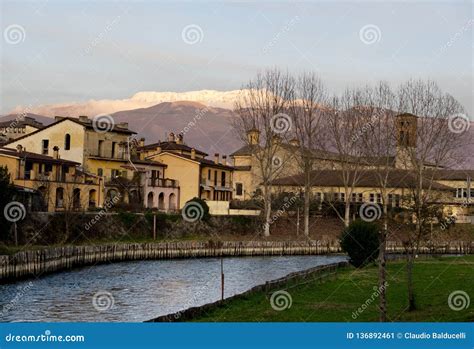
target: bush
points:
(196, 207)
(361, 242)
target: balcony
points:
(162, 182)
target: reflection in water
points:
(142, 290)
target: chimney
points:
(123, 125)
(276, 139)
(180, 139)
(193, 153)
(171, 137)
(19, 148)
(56, 152)
(58, 118)
(216, 158)
(141, 142)
(224, 159)
(83, 118)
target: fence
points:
(37, 262)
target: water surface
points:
(141, 290)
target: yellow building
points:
(58, 184)
(107, 154)
(198, 177)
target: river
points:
(141, 290)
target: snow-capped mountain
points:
(211, 98)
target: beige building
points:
(58, 184)
(198, 177)
(451, 187)
(106, 154)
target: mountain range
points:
(204, 117)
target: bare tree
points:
(342, 124)
(378, 138)
(262, 107)
(429, 145)
(306, 108)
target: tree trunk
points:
(307, 195)
(382, 270)
(347, 213)
(411, 294)
(267, 213)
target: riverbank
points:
(39, 262)
(353, 296)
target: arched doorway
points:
(172, 202)
(149, 201)
(111, 194)
(43, 191)
(161, 201)
(76, 199)
(92, 198)
(59, 201)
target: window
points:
(354, 197)
(100, 172)
(379, 198)
(223, 179)
(67, 142)
(239, 189)
(113, 148)
(361, 197)
(209, 174)
(215, 177)
(115, 173)
(100, 148)
(45, 146)
(318, 196)
(372, 197)
(342, 196)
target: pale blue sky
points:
(80, 50)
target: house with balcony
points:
(49, 183)
(198, 176)
(108, 154)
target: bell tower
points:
(406, 128)
(253, 136)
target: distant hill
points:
(212, 98)
(205, 128)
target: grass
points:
(337, 299)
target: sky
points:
(64, 51)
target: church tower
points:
(406, 128)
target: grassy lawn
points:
(336, 299)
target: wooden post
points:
(297, 221)
(15, 233)
(222, 278)
(154, 227)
